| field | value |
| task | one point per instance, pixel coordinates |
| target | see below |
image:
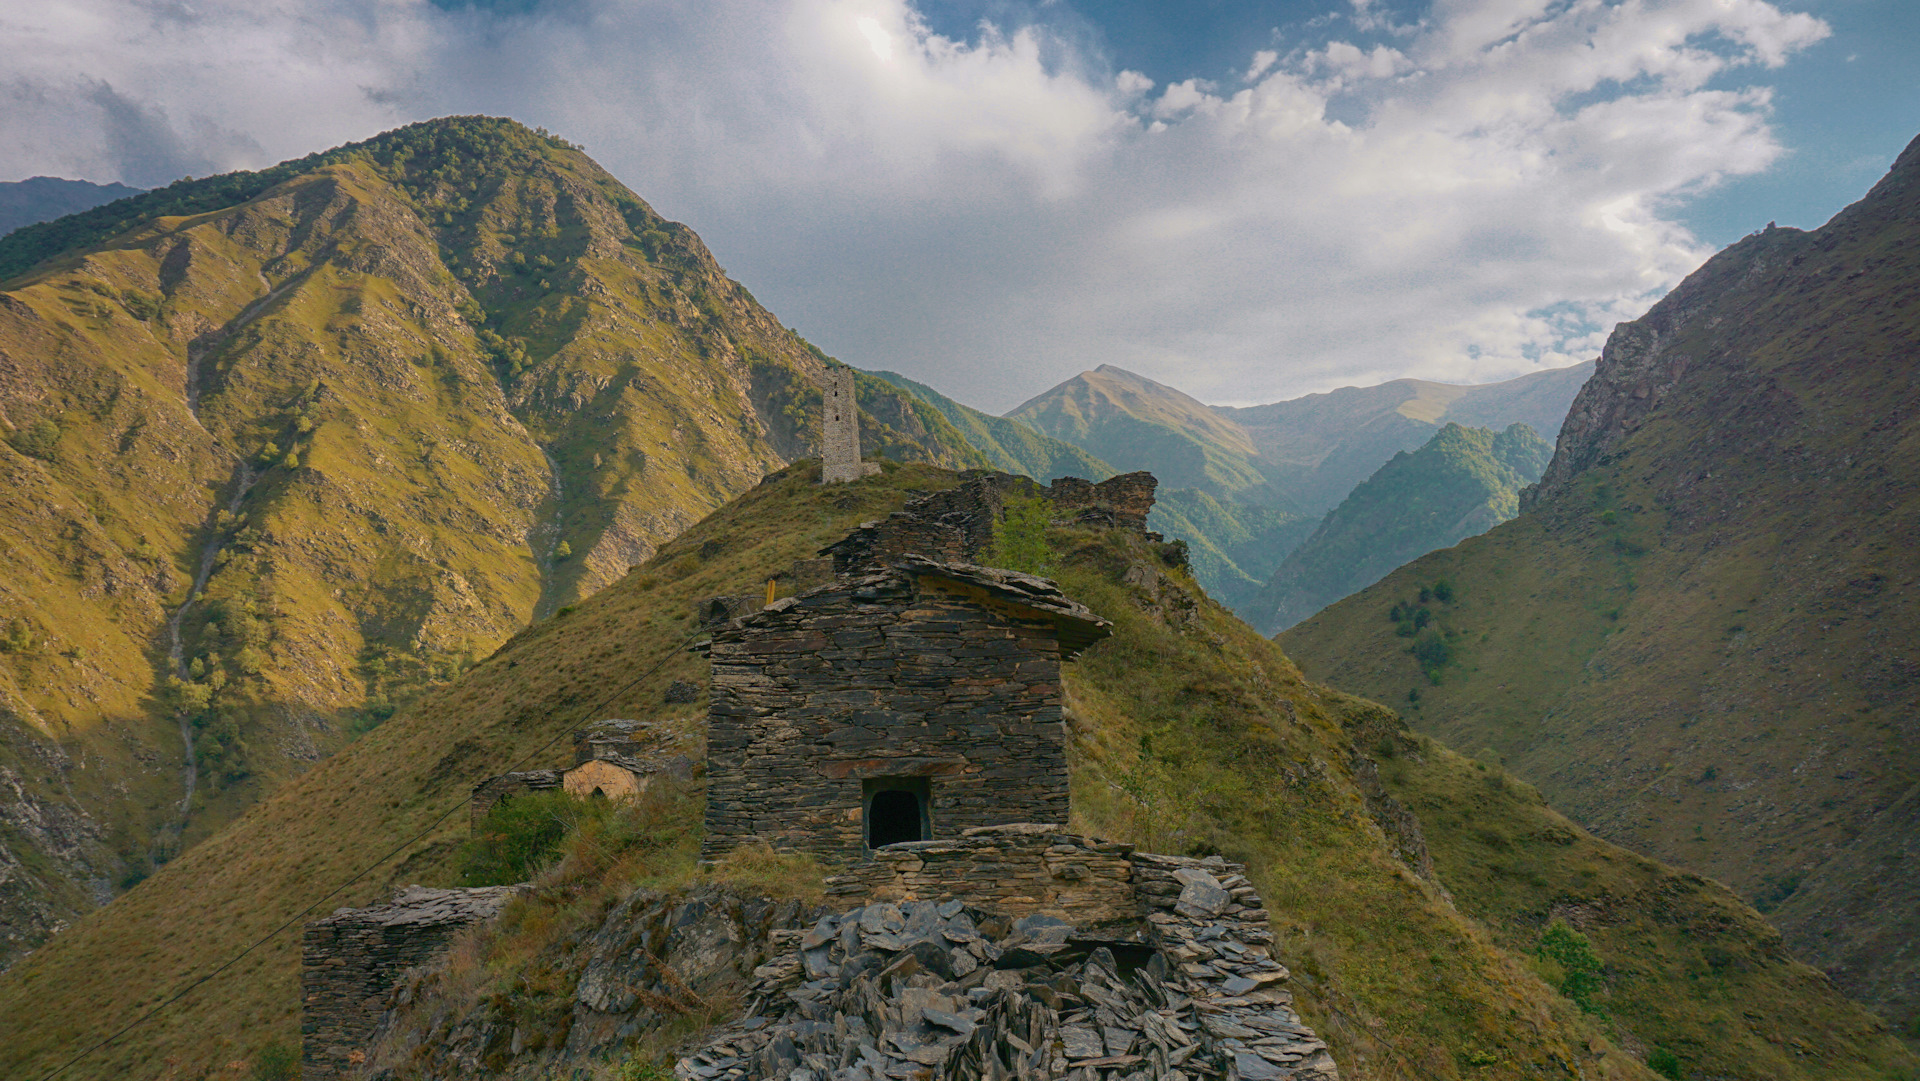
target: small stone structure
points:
(840, 430)
(352, 959)
(616, 759)
(1177, 982)
(911, 702)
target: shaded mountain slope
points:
(1233, 547)
(1463, 482)
(1190, 732)
(44, 198)
(1008, 445)
(281, 448)
(1698, 636)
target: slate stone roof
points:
(1078, 627)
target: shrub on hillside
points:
(1579, 965)
(1020, 537)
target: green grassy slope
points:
(336, 429)
(1464, 481)
(1190, 732)
(1697, 637)
(1008, 445)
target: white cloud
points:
(1482, 191)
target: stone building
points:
(905, 702)
(840, 430)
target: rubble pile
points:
(922, 989)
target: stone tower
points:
(840, 430)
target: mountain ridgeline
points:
(1244, 487)
(1698, 636)
(1462, 483)
(283, 448)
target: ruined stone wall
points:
(351, 960)
(881, 677)
(1012, 870)
(1128, 498)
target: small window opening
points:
(598, 793)
(898, 809)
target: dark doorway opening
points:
(898, 809)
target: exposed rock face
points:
(351, 960)
(941, 990)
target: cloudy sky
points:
(1249, 201)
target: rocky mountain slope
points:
(280, 448)
(1462, 483)
(1698, 636)
(1245, 486)
(43, 198)
(1409, 890)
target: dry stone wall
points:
(350, 961)
(1004, 870)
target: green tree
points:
(1020, 537)
(1579, 964)
(36, 440)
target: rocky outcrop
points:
(656, 958)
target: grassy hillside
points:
(1463, 482)
(1697, 638)
(282, 448)
(1190, 733)
(1008, 445)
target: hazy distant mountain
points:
(1132, 422)
(1699, 635)
(1462, 483)
(44, 198)
(1244, 486)
(1010, 445)
(1314, 450)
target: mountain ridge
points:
(1695, 636)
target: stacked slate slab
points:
(945, 675)
(352, 959)
(939, 990)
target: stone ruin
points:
(615, 759)
(1024, 953)
(840, 430)
(350, 961)
(909, 702)
(900, 718)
